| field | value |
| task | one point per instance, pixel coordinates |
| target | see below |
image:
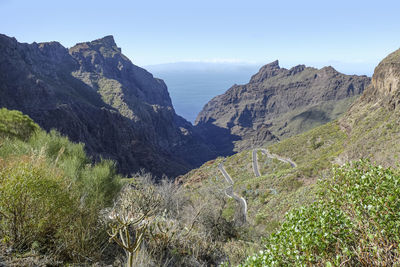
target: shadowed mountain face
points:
(278, 103)
(94, 94)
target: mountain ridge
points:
(370, 129)
(283, 102)
(94, 94)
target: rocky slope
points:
(385, 87)
(369, 129)
(95, 95)
(373, 121)
(277, 103)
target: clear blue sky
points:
(152, 32)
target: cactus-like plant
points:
(130, 218)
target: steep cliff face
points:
(385, 86)
(373, 121)
(278, 103)
(95, 95)
(103, 67)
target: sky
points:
(356, 34)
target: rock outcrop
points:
(385, 86)
(277, 103)
(94, 94)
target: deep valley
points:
(297, 167)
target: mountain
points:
(277, 103)
(93, 94)
(369, 129)
(372, 122)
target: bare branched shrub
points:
(160, 222)
(132, 213)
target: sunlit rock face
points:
(277, 103)
(385, 87)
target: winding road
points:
(269, 155)
(255, 164)
(229, 192)
(256, 169)
(274, 156)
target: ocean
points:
(192, 85)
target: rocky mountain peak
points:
(51, 46)
(284, 102)
(104, 68)
(93, 94)
(297, 69)
(266, 72)
(272, 65)
(386, 76)
(54, 51)
(96, 52)
(107, 42)
(5, 38)
(329, 69)
(95, 55)
(385, 84)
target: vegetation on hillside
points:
(51, 194)
(14, 124)
(354, 222)
(350, 217)
(57, 207)
(280, 187)
(373, 132)
(369, 131)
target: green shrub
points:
(14, 124)
(356, 221)
(51, 195)
(34, 203)
(69, 156)
(99, 184)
